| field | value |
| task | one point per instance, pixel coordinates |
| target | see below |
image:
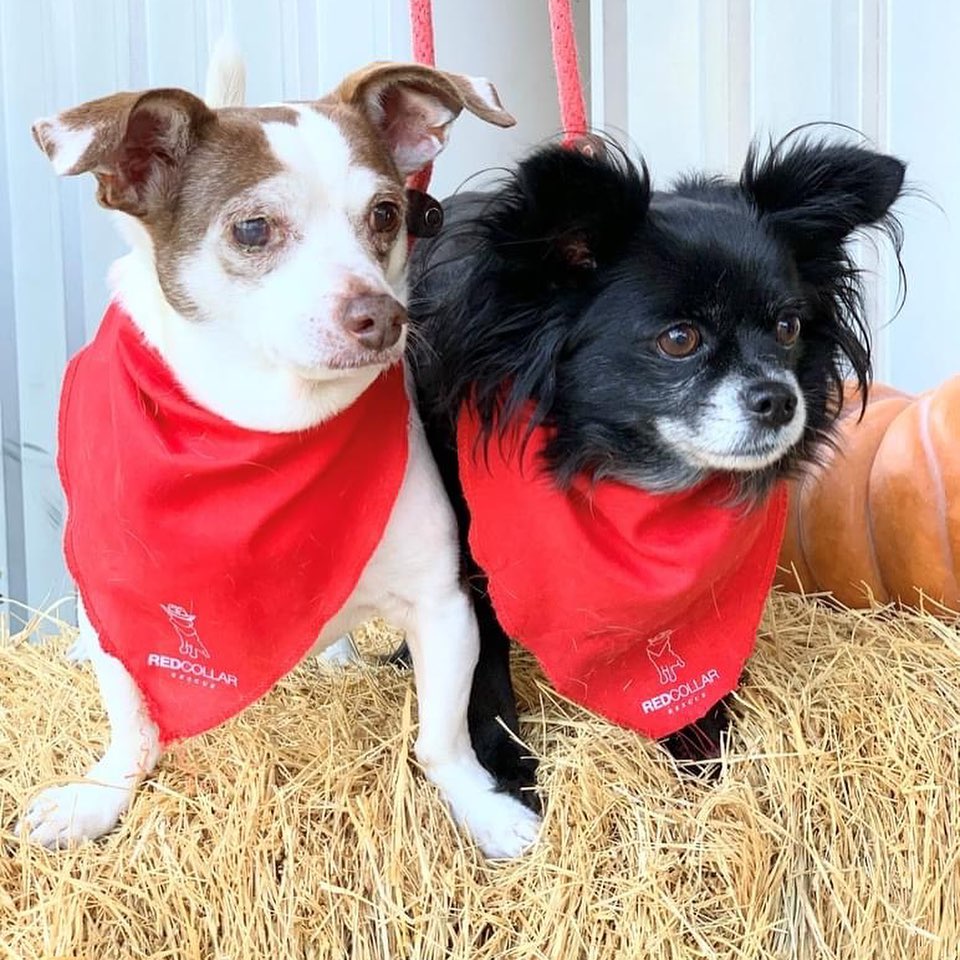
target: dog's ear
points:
(133, 143)
(813, 193)
(413, 107)
(572, 210)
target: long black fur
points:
(552, 289)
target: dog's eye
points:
(679, 341)
(385, 217)
(788, 328)
(252, 233)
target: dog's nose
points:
(374, 320)
(772, 402)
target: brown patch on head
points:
(232, 158)
(367, 147)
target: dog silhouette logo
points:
(184, 623)
(664, 657)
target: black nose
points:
(772, 402)
(375, 321)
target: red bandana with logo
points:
(209, 557)
(642, 607)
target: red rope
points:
(421, 34)
(421, 31)
(573, 114)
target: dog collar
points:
(209, 557)
(641, 607)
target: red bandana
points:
(642, 607)
(209, 557)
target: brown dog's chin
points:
(370, 358)
(350, 360)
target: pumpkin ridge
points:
(800, 528)
(933, 465)
(871, 537)
(871, 534)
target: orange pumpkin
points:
(881, 518)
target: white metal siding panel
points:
(29, 82)
(924, 127)
(663, 84)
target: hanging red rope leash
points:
(573, 114)
(421, 34)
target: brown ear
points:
(414, 106)
(133, 143)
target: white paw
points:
(341, 653)
(77, 652)
(500, 824)
(65, 816)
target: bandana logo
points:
(188, 667)
(668, 661)
(184, 623)
(664, 657)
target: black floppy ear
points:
(570, 210)
(813, 194)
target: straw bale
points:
(303, 829)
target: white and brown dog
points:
(243, 468)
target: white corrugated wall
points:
(56, 244)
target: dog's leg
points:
(443, 644)
(491, 697)
(341, 653)
(78, 652)
(494, 724)
(698, 746)
(61, 816)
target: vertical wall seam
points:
(10, 453)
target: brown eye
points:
(788, 328)
(385, 217)
(252, 233)
(679, 341)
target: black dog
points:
(662, 337)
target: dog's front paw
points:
(501, 825)
(78, 651)
(341, 653)
(64, 816)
